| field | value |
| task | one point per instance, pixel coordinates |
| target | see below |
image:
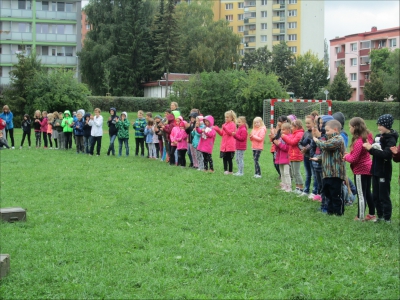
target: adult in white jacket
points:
(96, 122)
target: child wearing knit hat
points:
(382, 167)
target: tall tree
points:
(378, 59)
(391, 76)
(282, 61)
(373, 89)
(167, 41)
(119, 41)
(259, 60)
(326, 54)
(340, 89)
(308, 75)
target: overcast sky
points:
(344, 17)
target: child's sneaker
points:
(20, 147)
(303, 194)
(370, 218)
(317, 198)
(358, 219)
(288, 189)
(257, 176)
(311, 196)
(297, 191)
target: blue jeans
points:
(111, 147)
(123, 141)
(86, 144)
(310, 173)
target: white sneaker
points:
(257, 176)
(311, 196)
(20, 147)
(297, 191)
(238, 174)
(303, 195)
(51, 148)
(12, 147)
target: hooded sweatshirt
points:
(86, 127)
(123, 127)
(112, 129)
(241, 137)
(174, 132)
(67, 121)
(382, 159)
(8, 117)
(359, 158)
(257, 138)
(139, 127)
(282, 152)
(168, 128)
(293, 142)
(26, 125)
(182, 137)
(196, 135)
(338, 116)
(228, 142)
(207, 139)
(78, 126)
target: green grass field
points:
(124, 228)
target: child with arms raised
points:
(257, 137)
(360, 163)
(241, 143)
(333, 167)
(228, 142)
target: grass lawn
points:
(124, 228)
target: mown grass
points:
(123, 228)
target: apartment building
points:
(267, 22)
(352, 51)
(51, 28)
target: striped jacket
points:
(332, 153)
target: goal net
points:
(273, 108)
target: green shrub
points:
(130, 103)
(366, 110)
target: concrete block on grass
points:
(12, 214)
(4, 265)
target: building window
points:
(24, 27)
(45, 5)
(241, 52)
(292, 37)
(87, 26)
(353, 61)
(229, 6)
(241, 5)
(263, 38)
(60, 6)
(263, 14)
(69, 29)
(69, 51)
(240, 28)
(240, 17)
(292, 13)
(45, 50)
(252, 14)
(392, 43)
(23, 4)
(292, 1)
(242, 40)
(353, 76)
(292, 25)
(252, 39)
(229, 17)
(293, 49)
(365, 45)
(263, 26)
(69, 7)
(353, 47)
(338, 50)
(263, 2)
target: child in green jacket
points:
(122, 124)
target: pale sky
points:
(345, 17)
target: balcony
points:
(58, 60)
(16, 36)
(52, 37)
(249, 44)
(249, 20)
(56, 15)
(365, 68)
(278, 19)
(8, 59)
(249, 3)
(278, 6)
(249, 32)
(15, 13)
(365, 52)
(341, 55)
(278, 30)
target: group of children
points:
(321, 147)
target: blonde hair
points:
(231, 113)
(6, 107)
(44, 113)
(243, 120)
(140, 112)
(314, 114)
(97, 109)
(55, 114)
(258, 119)
(174, 103)
(50, 117)
(286, 126)
(37, 112)
(297, 123)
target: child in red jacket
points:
(295, 155)
(228, 143)
(241, 144)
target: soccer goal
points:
(273, 108)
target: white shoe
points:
(20, 147)
(303, 195)
(12, 147)
(311, 196)
(238, 174)
(257, 176)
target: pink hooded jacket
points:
(174, 132)
(257, 138)
(282, 153)
(207, 138)
(241, 138)
(359, 158)
(181, 138)
(293, 141)
(228, 143)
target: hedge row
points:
(366, 110)
(130, 103)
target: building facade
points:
(352, 51)
(50, 28)
(267, 22)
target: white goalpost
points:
(273, 108)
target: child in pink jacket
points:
(43, 128)
(295, 155)
(206, 143)
(241, 143)
(182, 146)
(228, 142)
(282, 158)
(257, 137)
